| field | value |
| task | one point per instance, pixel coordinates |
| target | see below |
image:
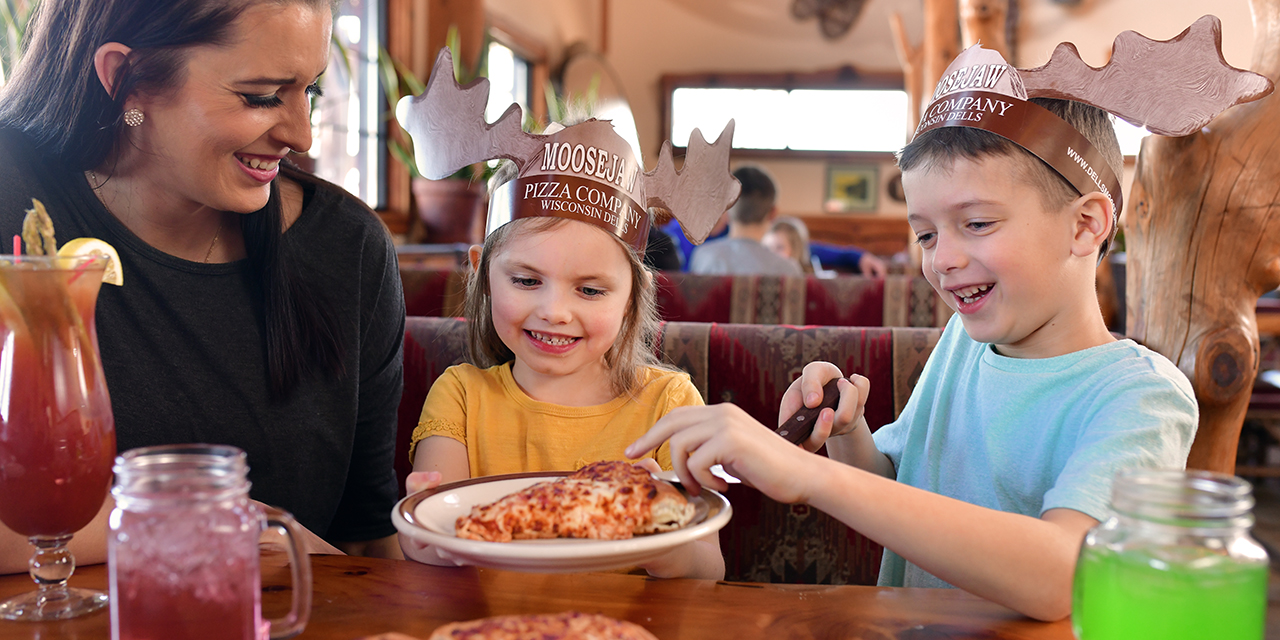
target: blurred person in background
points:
(741, 252)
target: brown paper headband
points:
(583, 172)
(1171, 87)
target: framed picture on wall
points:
(851, 187)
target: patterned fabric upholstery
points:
(433, 292)
(750, 365)
(843, 301)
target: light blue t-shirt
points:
(1025, 435)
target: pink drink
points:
(57, 436)
(186, 573)
(182, 551)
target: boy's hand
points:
(724, 434)
(808, 387)
(414, 550)
(649, 464)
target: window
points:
(854, 120)
(1130, 137)
(840, 112)
(347, 122)
(870, 119)
(508, 81)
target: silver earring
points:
(133, 117)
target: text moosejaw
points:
(584, 200)
(588, 161)
(978, 76)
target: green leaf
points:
(404, 155)
(14, 17)
(344, 54)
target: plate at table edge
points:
(428, 517)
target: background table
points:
(358, 597)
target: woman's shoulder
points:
(332, 210)
(18, 162)
(337, 234)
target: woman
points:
(262, 306)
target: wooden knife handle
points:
(800, 425)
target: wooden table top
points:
(359, 597)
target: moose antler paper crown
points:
(584, 172)
(1172, 87)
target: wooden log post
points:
(912, 70)
(985, 22)
(1203, 242)
(923, 65)
(941, 42)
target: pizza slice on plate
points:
(603, 500)
(569, 625)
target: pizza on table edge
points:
(609, 500)
(570, 625)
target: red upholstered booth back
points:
(843, 301)
(750, 365)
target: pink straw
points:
(80, 269)
(17, 245)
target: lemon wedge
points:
(96, 247)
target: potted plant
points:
(450, 210)
(14, 16)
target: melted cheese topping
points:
(603, 500)
(570, 625)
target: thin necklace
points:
(214, 243)
(96, 186)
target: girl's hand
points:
(699, 559)
(724, 434)
(808, 389)
(414, 550)
(421, 481)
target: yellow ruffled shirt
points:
(506, 431)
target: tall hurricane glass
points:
(57, 434)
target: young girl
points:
(789, 238)
(561, 314)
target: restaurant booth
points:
(1196, 267)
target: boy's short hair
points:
(945, 145)
(757, 198)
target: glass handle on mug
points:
(300, 571)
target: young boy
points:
(1004, 455)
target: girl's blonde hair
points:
(797, 235)
(632, 350)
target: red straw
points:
(17, 245)
(80, 269)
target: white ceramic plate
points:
(428, 517)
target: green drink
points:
(1135, 595)
(1174, 561)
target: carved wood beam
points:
(985, 22)
(1203, 240)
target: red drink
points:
(57, 435)
(182, 550)
(174, 578)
